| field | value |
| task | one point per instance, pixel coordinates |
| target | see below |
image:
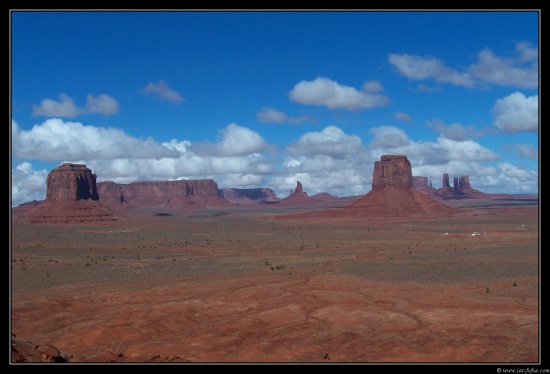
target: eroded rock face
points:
(445, 182)
(173, 194)
(393, 194)
(392, 170)
(26, 351)
(71, 197)
(464, 183)
(420, 182)
(461, 188)
(71, 182)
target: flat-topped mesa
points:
(71, 182)
(183, 193)
(392, 170)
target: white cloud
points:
(513, 172)
(66, 108)
(56, 140)
(27, 184)
(467, 150)
(234, 140)
(389, 137)
(455, 131)
(276, 116)
(326, 92)
(517, 180)
(516, 113)
(161, 91)
(400, 116)
(521, 71)
(103, 104)
(331, 141)
(418, 68)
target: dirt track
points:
(243, 285)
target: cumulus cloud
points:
(516, 112)
(389, 137)
(467, 150)
(234, 140)
(513, 172)
(518, 180)
(326, 92)
(27, 184)
(103, 104)
(275, 116)
(419, 68)
(455, 131)
(161, 91)
(400, 116)
(519, 71)
(55, 140)
(331, 141)
(66, 108)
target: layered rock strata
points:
(172, 194)
(71, 197)
(393, 194)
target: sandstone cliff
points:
(171, 194)
(393, 194)
(392, 170)
(71, 197)
(71, 182)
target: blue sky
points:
(266, 99)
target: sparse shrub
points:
(515, 284)
(486, 289)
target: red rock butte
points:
(393, 194)
(71, 197)
(183, 194)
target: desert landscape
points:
(393, 276)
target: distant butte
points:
(393, 194)
(71, 197)
(181, 194)
(461, 188)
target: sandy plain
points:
(254, 285)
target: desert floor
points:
(243, 285)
